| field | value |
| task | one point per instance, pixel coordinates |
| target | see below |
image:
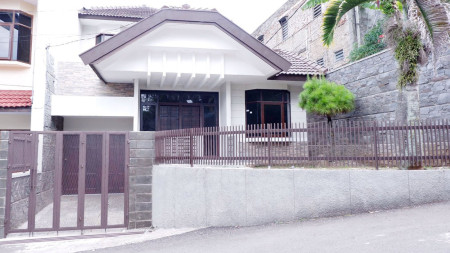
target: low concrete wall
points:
(200, 197)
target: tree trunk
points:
(408, 111)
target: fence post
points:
(375, 131)
(269, 135)
(191, 147)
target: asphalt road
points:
(419, 229)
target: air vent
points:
(339, 55)
(321, 62)
(284, 27)
(317, 11)
(261, 38)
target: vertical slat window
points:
(320, 62)
(339, 55)
(317, 11)
(284, 27)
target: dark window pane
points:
(148, 118)
(23, 19)
(5, 37)
(98, 39)
(273, 95)
(210, 116)
(169, 97)
(21, 43)
(5, 17)
(272, 114)
(253, 112)
(252, 95)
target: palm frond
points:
(311, 3)
(329, 21)
(436, 20)
(333, 15)
(369, 5)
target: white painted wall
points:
(18, 121)
(93, 106)
(98, 124)
(15, 75)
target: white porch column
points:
(228, 102)
(136, 118)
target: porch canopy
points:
(184, 49)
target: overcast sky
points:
(248, 14)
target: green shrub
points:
(373, 43)
(326, 98)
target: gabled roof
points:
(15, 98)
(300, 65)
(185, 16)
(120, 13)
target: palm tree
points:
(416, 29)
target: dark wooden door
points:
(169, 117)
(190, 117)
(71, 151)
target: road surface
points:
(419, 229)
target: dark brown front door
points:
(190, 117)
(169, 117)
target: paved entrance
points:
(66, 181)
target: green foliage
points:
(333, 14)
(373, 43)
(311, 3)
(407, 54)
(326, 98)
(387, 7)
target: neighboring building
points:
(17, 24)
(299, 31)
(176, 68)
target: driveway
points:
(419, 229)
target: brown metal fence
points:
(66, 181)
(345, 144)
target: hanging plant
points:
(408, 53)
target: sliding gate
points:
(67, 181)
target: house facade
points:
(147, 69)
(300, 31)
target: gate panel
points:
(66, 181)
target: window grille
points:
(284, 27)
(321, 62)
(339, 55)
(317, 11)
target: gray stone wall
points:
(4, 136)
(142, 156)
(373, 80)
(76, 79)
(51, 123)
(202, 197)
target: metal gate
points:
(66, 181)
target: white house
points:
(147, 69)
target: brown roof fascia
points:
(284, 77)
(102, 17)
(186, 16)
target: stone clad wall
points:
(373, 80)
(76, 79)
(142, 156)
(4, 137)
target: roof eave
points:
(268, 55)
(113, 18)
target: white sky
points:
(248, 14)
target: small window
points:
(317, 10)
(15, 36)
(284, 27)
(339, 55)
(261, 38)
(267, 107)
(321, 62)
(102, 37)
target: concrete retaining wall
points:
(199, 197)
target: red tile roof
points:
(15, 98)
(300, 65)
